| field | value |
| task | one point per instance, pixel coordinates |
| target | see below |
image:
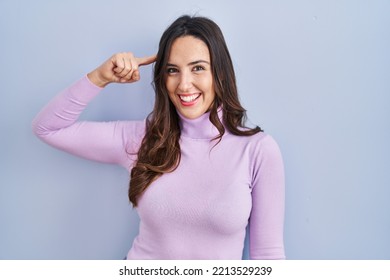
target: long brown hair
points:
(159, 152)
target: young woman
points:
(199, 177)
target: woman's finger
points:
(128, 67)
(146, 60)
(136, 76)
(130, 59)
(118, 63)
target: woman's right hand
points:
(120, 68)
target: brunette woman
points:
(199, 176)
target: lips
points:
(189, 99)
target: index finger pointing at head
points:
(146, 60)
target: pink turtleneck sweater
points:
(202, 209)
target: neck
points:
(199, 128)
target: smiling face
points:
(189, 80)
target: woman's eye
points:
(171, 70)
(198, 68)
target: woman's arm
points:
(110, 142)
(268, 192)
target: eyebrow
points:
(190, 64)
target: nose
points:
(185, 83)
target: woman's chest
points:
(210, 189)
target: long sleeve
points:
(268, 197)
(108, 142)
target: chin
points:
(191, 114)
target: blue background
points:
(314, 74)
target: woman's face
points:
(189, 80)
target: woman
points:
(199, 177)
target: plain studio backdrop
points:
(313, 74)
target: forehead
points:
(187, 49)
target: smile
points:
(189, 98)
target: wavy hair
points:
(159, 152)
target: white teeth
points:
(189, 98)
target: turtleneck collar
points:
(199, 128)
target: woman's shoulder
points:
(265, 148)
(260, 142)
(262, 138)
